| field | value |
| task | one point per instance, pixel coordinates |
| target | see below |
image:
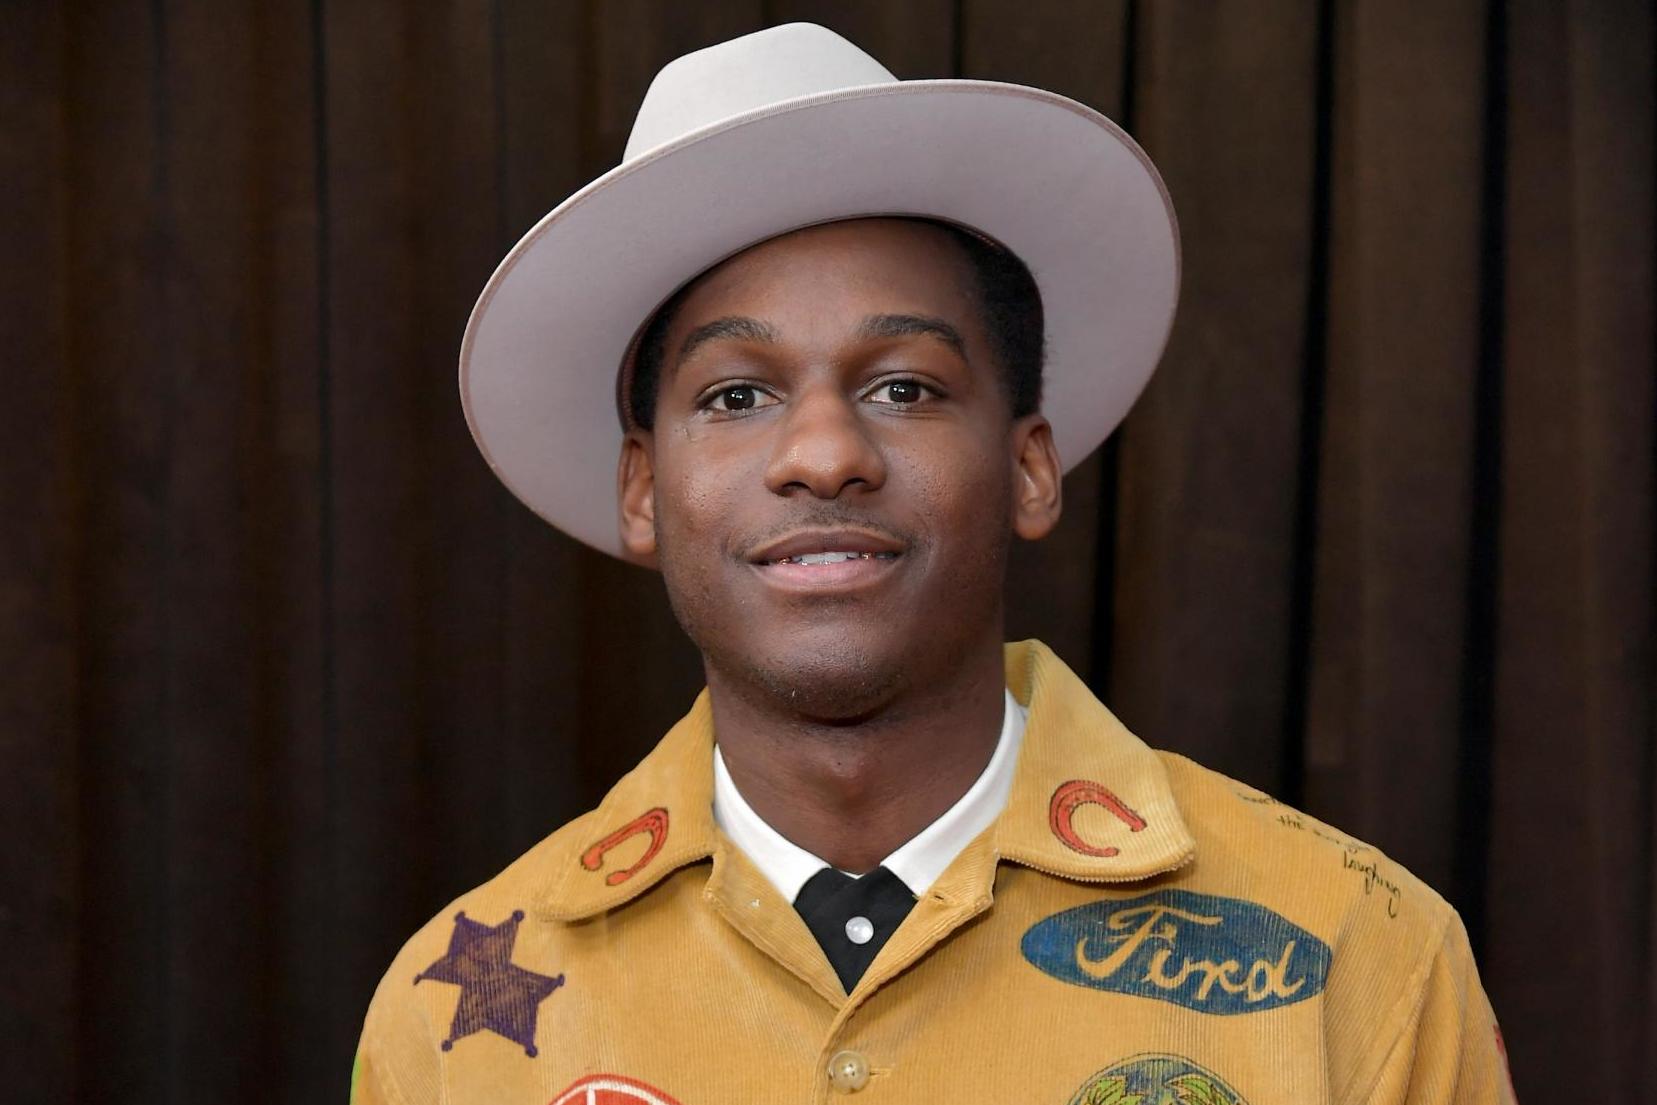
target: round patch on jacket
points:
(1156, 1080)
(611, 1089)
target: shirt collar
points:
(918, 862)
(1087, 801)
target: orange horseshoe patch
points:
(1085, 792)
(653, 822)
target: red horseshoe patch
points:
(611, 1089)
(653, 822)
(1085, 792)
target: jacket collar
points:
(657, 819)
(1089, 801)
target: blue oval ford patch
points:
(1212, 954)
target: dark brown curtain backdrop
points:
(285, 669)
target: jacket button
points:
(848, 1072)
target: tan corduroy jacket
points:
(1133, 930)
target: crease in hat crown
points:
(750, 73)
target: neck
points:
(851, 793)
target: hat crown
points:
(746, 74)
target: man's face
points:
(833, 473)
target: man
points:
(884, 855)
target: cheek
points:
(963, 503)
(694, 497)
(698, 504)
(690, 539)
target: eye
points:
(901, 393)
(736, 398)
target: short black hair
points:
(1008, 300)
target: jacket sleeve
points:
(397, 1058)
(1450, 1051)
(370, 1082)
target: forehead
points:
(886, 262)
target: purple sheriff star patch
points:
(495, 994)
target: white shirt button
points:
(860, 930)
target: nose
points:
(825, 448)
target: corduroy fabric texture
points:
(1133, 929)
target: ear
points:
(1038, 479)
(636, 497)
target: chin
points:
(829, 675)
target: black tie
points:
(852, 917)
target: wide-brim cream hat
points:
(790, 127)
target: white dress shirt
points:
(918, 862)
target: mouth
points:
(828, 559)
(817, 559)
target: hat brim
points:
(1054, 181)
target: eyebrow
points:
(742, 328)
(900, 326)
(734, 327)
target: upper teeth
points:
(831, 557)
